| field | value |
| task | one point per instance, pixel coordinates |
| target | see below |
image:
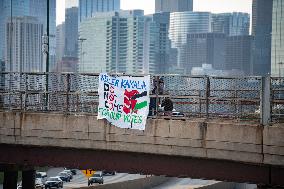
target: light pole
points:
(81, 51)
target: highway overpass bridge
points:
(231, 129)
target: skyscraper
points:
(38, 9)
(162, 20)
(34, 8)
(19, 8)
(23, 42)
(239, 24)
(173, 5)
(121, 42)
(261, 30)
(277, 50)
(182, 24)
(71, 32)
(205, 48)
(231, 24)
(221, 23)
(60, 42)
(238, 53)
(87, 8)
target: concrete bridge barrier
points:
(227, 143)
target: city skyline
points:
(216, 6)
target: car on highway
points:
(41, 175)
(38, 184)
(96, 178)
(53, 182)
(69, 172)
(64, 176)
(106, 172)
(74, 171)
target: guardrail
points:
(243, 98)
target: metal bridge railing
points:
(243, 98)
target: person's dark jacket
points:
(167, 104)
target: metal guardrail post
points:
(265, 101)
(156, 82)
(20, 91)
(207, 95)
(46, 104)
(26, 91)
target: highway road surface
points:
(184, 183)
(80, 180)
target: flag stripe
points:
(141, 105)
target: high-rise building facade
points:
(173, 5)
(205, 48)
(23, 42)
(277, 47)
(221, 23)
(38, 9)
(88, 8)
(67, 64)
(238, 53)
(71, 32)
(34, 8)
(232, 24)
(162, 21)
(151, 46)
(121, 42)
(239, 24)
(19, 8)
(261, 30)
(60, 42)
(182, 24)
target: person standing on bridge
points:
(158, 89)
(168, 106)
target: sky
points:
(215, 6)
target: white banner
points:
(124, 101)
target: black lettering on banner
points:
(106, 87)
(106, 104)
(106, 90)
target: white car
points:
(53, 182)
(41, 175)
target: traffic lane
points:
(184, 183)
(52, 172)
(80, 180)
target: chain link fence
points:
(200, 96)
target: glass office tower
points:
(183, 23)
(87, 8)
(277, 47)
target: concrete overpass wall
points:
(212, 139)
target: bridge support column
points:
(10, 179)
(28, 179)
